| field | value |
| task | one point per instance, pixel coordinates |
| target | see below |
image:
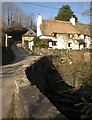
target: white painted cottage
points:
(63, 34)
(27, 39)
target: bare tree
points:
(7, 11)
(18, 17)
(88, 12)
(11, 13)
(29, 21)
(15, 17)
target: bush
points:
(86, 108)
(7, 55)
(40, 43)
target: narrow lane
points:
(8, 73)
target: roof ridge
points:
(66, 22)
(56, 21)
(83, 24)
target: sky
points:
(52, 9)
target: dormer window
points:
(54, 34)
(70, 36)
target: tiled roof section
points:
(84, 29)
(48, 27)
(30, 33)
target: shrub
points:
(86, 108)
(40, 43)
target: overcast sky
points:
(52, 9)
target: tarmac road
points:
(7, 73)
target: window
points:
(54, 34)
(69, 44)
(90, 42)
(70, 35)
(30, 33)
(54, 43)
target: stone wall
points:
(74, 66)
(76, 55)
(49, 81)
(29, 102)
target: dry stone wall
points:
(74, 66)
(29, 102)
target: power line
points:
(45, 6)
(40, 5)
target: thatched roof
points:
(84, 29)
(48, 27)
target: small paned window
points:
(54, 43)
(69, 44)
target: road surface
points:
(8, 73)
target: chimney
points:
(72, 20)
(39, 22)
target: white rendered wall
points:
(31, 44)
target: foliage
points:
(65, 13)
(7, 55)
(86, 108)
(17, 32)
(84, 73)
(40, 43)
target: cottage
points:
(63, 34)
(27, 39)
(85, 34)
